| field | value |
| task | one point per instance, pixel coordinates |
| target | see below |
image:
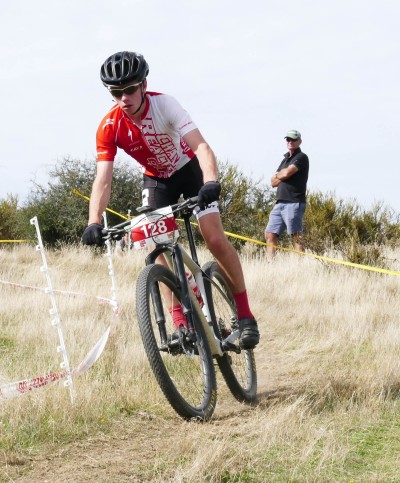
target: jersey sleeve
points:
(105, 144)
(301, 162)
(178, 117)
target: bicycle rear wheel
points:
(183, 368)
(237, 368)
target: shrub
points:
(11, 226)
(62, 214)
(358, 234)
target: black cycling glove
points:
(93, 235)
(208, 193)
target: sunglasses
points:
(291, 140)
(129, 90)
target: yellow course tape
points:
(76, 192)
(318, 257)
(15, 241)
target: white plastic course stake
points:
(55, 316)
(114, 303)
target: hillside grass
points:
(328, 365)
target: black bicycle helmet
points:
(124, 67)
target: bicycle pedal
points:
(229, 346)
(180, 342)
(173, 348)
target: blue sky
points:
(246, 71)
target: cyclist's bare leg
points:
(228, 260)
(226, 255)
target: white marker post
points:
(111, 272)
(56, 320)
(129, 233)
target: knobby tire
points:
(238, 370)
(187, 379)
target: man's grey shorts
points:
(286, 215)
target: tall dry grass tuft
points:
(328, 365)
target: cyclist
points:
(176, 160)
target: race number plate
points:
(159, 226)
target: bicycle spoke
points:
(237, 366)
(181, 362)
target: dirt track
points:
(133, 448)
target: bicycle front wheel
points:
(237, 368)
(183, 365)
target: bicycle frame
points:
(178, 258)
(211, 328)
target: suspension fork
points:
(159, 312)
(180, 272)
(175, 255)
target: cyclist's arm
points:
(204, 153)
(101, 191)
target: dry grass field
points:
(328, 364)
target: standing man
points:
(291, 183)
(160, 135)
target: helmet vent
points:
(124, 67)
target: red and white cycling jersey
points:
(157, 145)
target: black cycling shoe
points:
(249, 336)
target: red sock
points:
(178, 316)
(242, 304)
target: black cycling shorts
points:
(160, 192)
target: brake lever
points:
(143, 209)
(109, 234)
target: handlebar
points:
(118, 231)
(189, 204)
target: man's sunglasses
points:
(290, 139)
(129, 90)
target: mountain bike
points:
(182, 355)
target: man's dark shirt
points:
(294, 188)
